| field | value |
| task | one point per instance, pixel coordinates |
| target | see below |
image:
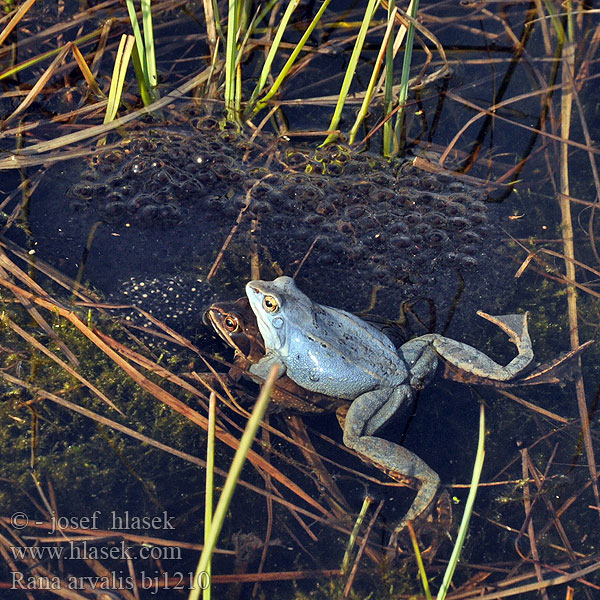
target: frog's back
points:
(341, 355)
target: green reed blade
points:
(388, 90)
(231, 61)
(210, 472)
(147, 98)
(421, 566)
(354, 535)
(386, 46)
(288, 65)
(118, 76)
(232, 478)
(349, 76)
(150, 55)
(406, 64)
(266, 70)
(139, 40)
(464, 524)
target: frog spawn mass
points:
(373, 220)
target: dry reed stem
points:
(160, 393)
(569, 251)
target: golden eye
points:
(231, 324)
(270, 304)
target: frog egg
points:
(386, 181)
(380, 194)
(450, 258)
(345, 227)
(457, 223)
(220, 170)
(421, 229)
(90, 175)
(460, 198)
(468, 249)
(384, 218)
(454, 209)
(470, 237)
(148, 214)
(261, 190)
(325, 208)
(396, 227)
(169, 212)
(436, 238)
(320, 182)
(309, 193)
(342, 186)
(261, 208)
(401, 241)
(228, 137)
(334, 169)
(236, 176)
(213, 203)
(409, 181)
(435, 219)
(403, 199)
(455, 186)
(206, 177)
(412, 218)
(367, 223)
(314, 219)
(115, 197)
(206, 122)
(138, 202)
(276, 198)
(189, 187)
(355, 212)
(114, 209)
(430, 182)
(178, 154)
(478, 218)
(477, 206)
(81, 191)
(467, 261)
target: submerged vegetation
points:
(100, 415)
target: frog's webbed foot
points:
(464, 358)
(263, 367)
(367, 414)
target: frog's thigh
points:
(372, 410)
(263, 367)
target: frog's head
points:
(236, 325)
(278, 305)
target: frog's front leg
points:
(263, 367)
(469, 360)
(421, 359)
(368, 413)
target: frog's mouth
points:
(273, 336)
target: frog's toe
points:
(515, 326)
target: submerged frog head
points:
(277, 304)
(236, 325)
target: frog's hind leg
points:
(367, 414)
(469, 360)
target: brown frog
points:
(236, 325)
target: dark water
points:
(157, 250)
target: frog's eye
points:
(270, 304)
(231, 324)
